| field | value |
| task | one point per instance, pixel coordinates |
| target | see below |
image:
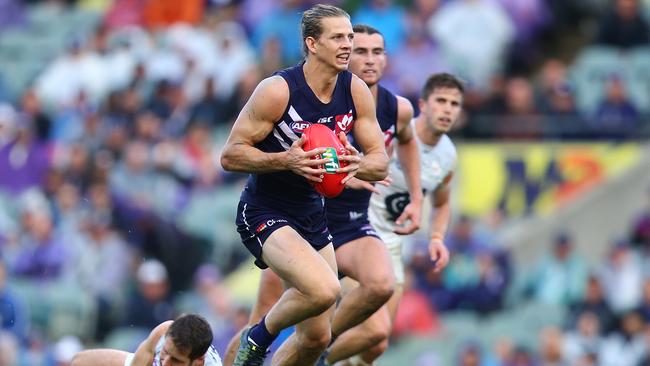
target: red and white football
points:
(317, 135)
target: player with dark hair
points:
(440, 105)
(185, 341)
(359, 252)
(280, 217)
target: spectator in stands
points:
(471, 354)
(522, 356)
(428, 281)
(12, 14)
(644, 307)
(43, 255)
(24, 160)
(387, 17)
(559, 278)
(211, 299)
(627, 347)
(31, 111)
(463, 269)
(14, 313)
(593, 302)
(473, 36)
(622, 277)
(584, 340)
(530, 18)
(615, 115)
(152, 303)
(280, 24)
(551, 350)
(211, 109)
(101, 265)
(640, 236)
(79, 70)
(10, 349)
(161, 13)
(416, 56)
(521, 115)
(415, 315)
(624, 26)
(8, 120)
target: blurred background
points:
(115, 214)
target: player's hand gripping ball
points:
(317, 135)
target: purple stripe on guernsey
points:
(285, 190)
(352, 204)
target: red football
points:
(318, 135)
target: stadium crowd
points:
(115, 214)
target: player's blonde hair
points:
(311, 25)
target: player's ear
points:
(421, 104)
(311, 44)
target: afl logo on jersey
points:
(344, 122)
(299, 126)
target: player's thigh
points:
(101, 357)
(298, 263)
(268, 293)
(365, 259)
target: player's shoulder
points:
(448, 146)
(274, 86)
(404, 108)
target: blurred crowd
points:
(115, 214)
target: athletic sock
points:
(261, 336)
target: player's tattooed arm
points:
(144, 355)
(409, 158)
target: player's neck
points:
(320, 78)
(374, 90)
(424, 133)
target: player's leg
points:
(380, 326)
(101, 357)
(314, 286)
(364, 336)
(370, 355)
(394, 246)
(268, 294)
(367, 261)
(312, 335)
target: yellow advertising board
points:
(537, 177)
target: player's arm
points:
(373, 165)
(255, 121)
(409, 159)
(439, 223)
(146, 350)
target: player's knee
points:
(380, 290)
(377, 333)
(376, 351)
(315, 341)
(326, 296)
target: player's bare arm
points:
(439, 223)
(254, 123)
(373, 166)
(144, 355)
(409, 158)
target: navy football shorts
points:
(256, 223)
(349, 228)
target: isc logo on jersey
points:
(299, 126)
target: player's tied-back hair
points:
(311, 24)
